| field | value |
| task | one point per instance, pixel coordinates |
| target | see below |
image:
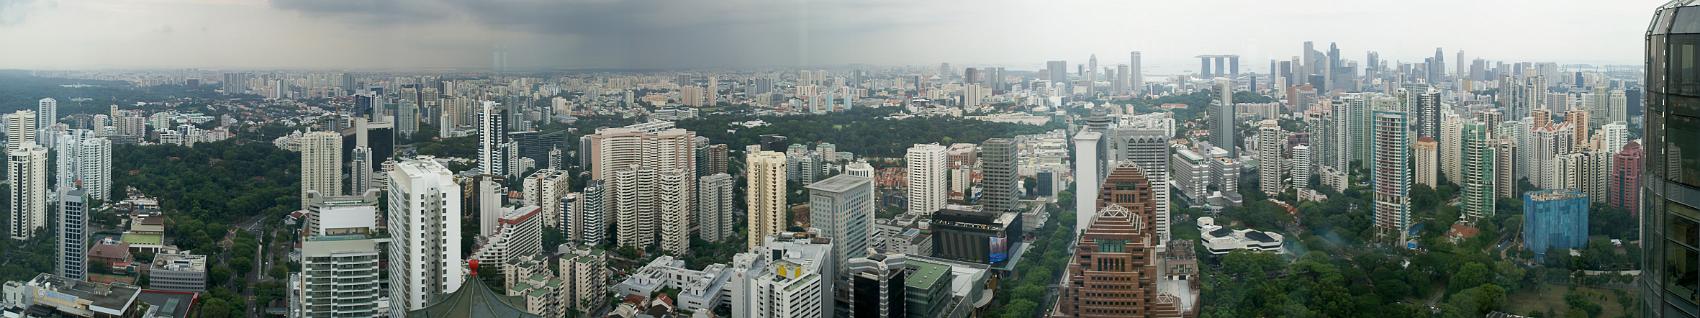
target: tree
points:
(1472, 274)
(1020, 308)
(1476, 301)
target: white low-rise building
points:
(1221, 240)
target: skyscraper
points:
(714, 207)
(1136, 74)
(1390, 176)
(492, 139)
(1670, 260)
(1119, 247)
(26, 172)
(1270, 140)
(1149, 148)
(926, 178)
(1001, 177)
(843, 209)
(73, 235)
(1477, 172)
(765, 196)
(1222, 118)
(321, 164)
(424, 225)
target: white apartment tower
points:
(20, 129)
(321, 164)
(1269, 143)
(926, 182)
(631, 161)
(47, 114)
(26, 172)
(424, 224)
(545, 188)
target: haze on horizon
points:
(656, 34)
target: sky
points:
(676, 34)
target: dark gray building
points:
(1001, 175)
(1670, 217)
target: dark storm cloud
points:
(652, 33)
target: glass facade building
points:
(1670, 231)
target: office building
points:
(714, 207)
(424, 225)
(26, 172)
(1118, 247)
(969, 234)
(1001, 175)
(784, 277)
(179, 271)
(1478, 165)
(1088, 162)
(1136, 74)
(1390, 174)
(1148, 148)
(1270, 140)
(1222, 121)
(73, 262)
(1554, 219)
(878, 284)
(1424, 166)
(321, 164)
(842, 209)
(1623, 190)
(765, 195)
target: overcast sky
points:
(391, 34)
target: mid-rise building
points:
(1554, 219)
(877, 286)
(785, 276)
(179, 271)
(520, 236)
(424, 225)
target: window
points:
(1681, 278)
(1682, 142)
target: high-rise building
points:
(633, 161)
(1390, 173)
(714, 207)
(784, 278)
(1623, 191)
(1058, 72)
(1477, 173)
(1270, 140)
(1613, 136)
(1424, 166)
(20, 129)
(1549, 143)
(424, 225)
(492, 139)
(676, 203)
(1424, 103)
(1449, 147)
(1001, 175)
(592, 213)
(1505, 168)
(1222, 118)
(545, 188)
(1301, 168)
(1119, 246)
(73, 236)
(1670, 257)
(1149, 148)
(331, 215)
(1554, 219)
(341, 275)
(46, 114)
(321, 164)
(843, 209)
(84, 162)
(878, 285)
(711, 159)
(1088, 162)
(1136, 74)
(926, 178)
(360, 174)
(765, 195)
(26, 172)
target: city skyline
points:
(532, 35)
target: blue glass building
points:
(1554, 219)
